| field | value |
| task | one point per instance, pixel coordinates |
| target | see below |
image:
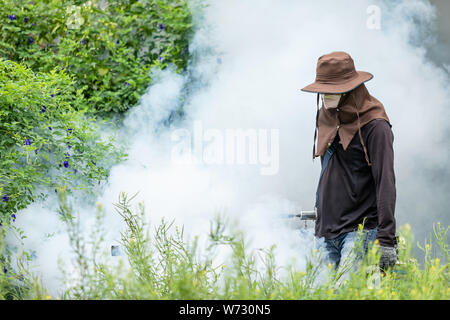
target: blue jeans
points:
(342, 246)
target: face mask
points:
(330, 101)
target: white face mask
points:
(330, 101)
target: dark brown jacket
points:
(350, 190)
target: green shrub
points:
(108, 46)
(165, 265)
(44, 141)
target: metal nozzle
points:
(305, 215)
(308, 215)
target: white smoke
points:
(250, 60)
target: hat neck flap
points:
(355, 110)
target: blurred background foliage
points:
(107, 46)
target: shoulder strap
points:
(328, 154)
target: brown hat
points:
(335, 73)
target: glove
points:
(388, 257)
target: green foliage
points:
(18, 283)
(62, 64)
(44, 141)
(108, 46)
(165, 265)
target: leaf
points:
(55, 28)
(102, 71)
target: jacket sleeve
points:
(380, 148)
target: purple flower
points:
(27, 142)
(13, 216)
(117, 41)
(66, 164)
(5, 197)
(70, 130)
(68, 145)
(161, 26)
(50, 128)
(83, 42)
(52, 95)
(12, 17)
(94, 162)
(4, 268)
(25, 19)
(44, 108)
(161, 59)
(36, 151)
(126, 83)
(67, 155)
(30, 39)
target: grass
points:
(163, 264)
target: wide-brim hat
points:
(336, 73)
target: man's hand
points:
(388, 257)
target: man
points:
(355, 142)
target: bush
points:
(108, 46)
(62, 64)
(44, 140)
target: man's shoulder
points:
(377, 129)
(377, 125)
